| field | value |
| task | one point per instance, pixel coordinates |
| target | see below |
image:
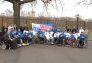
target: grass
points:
(90, 36)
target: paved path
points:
(43, 54)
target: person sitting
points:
(51, 37)
(82, 39)
(25, 38)
(67, 37)
(74, 38)
(30, 36)
(21, 36)
(75, 35)
(41, 36)
(61, 38)
(10, 39)
(48, 36)
(56, 37)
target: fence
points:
(59, 22)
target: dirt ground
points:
(38, 53)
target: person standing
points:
(81, 30)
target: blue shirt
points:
(82, 37)
(30, 35)
(20, 34)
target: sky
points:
(70, 9)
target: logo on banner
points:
(41, 27)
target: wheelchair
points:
(2, 45)
(83, 42)
(6, 43)
(71, 42)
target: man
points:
(81, 30)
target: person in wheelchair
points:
(21, 37)
(30, 36)
(2, 43)
(41, 36)
(74, 37)
(61, 38)
(10, 39)
(67, 36)
(49, 37)
(82, 39)
(25, 37)
(56, 37)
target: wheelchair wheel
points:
(74, 43)
(3, 46)
(86, 44)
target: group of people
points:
(13, 37)
(67, 37)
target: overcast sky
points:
(70, 9)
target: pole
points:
(26, 21)
(2, 21)
(77, 25)
(84, 25)
(66, 24)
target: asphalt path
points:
(38, 53)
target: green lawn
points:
(90, 35)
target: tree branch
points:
(46, 8)
(56, 5)
(61, 5)
(84, 2)
(9, 1)
(26, 1)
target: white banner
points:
(41, 27)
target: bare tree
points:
(48, 2)
(8, 12)
(16, 8)
(85, 2)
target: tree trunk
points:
(16, 15)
